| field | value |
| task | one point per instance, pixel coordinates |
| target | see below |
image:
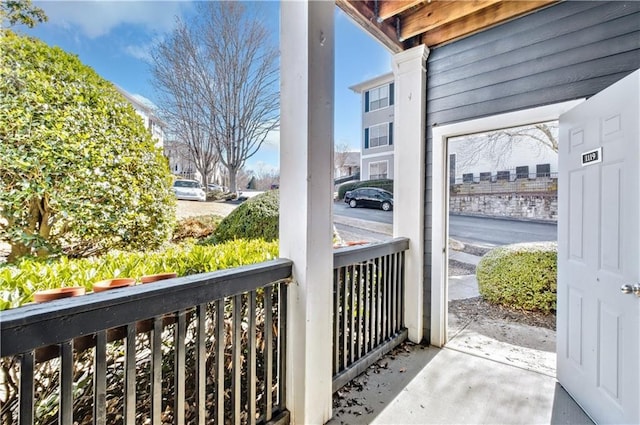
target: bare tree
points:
(175, 63)
(220, 74)
(265, 176)
(246, 79)
(497, 146)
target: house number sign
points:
(592, 157)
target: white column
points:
(409, 177)
(306, 165)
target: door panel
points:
(598, 252)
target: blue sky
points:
(114, 38)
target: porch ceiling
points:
(402, 24)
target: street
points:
(475, 230)
(492, 231)
(370, 214)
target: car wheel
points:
(386, 206)
(353, 203)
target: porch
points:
(212, 348)
(428, 385)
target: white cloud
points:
(262, 167)
(97, 18)
(272, 140)
(141, 51)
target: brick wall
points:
(529, 206)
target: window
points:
(543, 170)
(378, 170)
(378, 135)
(522, 172)
(378, 98)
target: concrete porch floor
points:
(427, 385)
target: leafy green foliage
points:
(19, 281)
(256, 218)
(520, 275)
(385, 184)
(21, 12)
(80, 173)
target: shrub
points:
(385, 184)
(256, 218)
(520, 275)
(80, 173)
(19, 281)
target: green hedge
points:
(386, 184)
(521, 275)
(19, 281)
(256, 218)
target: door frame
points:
(440, 193)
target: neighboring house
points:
(346, 164)
(177, 154)
(377, 127)
(151, 121)
(527, 158)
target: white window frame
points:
(376, 98)
(386, 174)
(385, 137)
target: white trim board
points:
(378, 154)
(440, 210)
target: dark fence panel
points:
(368, 292)
(206, 348)
(508, 181)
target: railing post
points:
(306, 162)
(409, 182)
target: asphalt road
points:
(490, 232)
(474, 230)
(371, 214)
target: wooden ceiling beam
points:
(438, 13)
(480, 20)
(362, 13)
(391, 8)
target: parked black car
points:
(370, 197)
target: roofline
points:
(139, 105)
(373, 82)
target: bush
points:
(520, 275)
(385, 184)
(19, 281)
(80, 173)
(256, 218)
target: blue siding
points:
(567, 51)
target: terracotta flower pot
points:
(356, 243)
(105, 285)
(156, 277)
(57, 293)
(50, 351)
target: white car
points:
(190, 190)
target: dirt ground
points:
(195, 208)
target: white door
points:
(598, 337)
